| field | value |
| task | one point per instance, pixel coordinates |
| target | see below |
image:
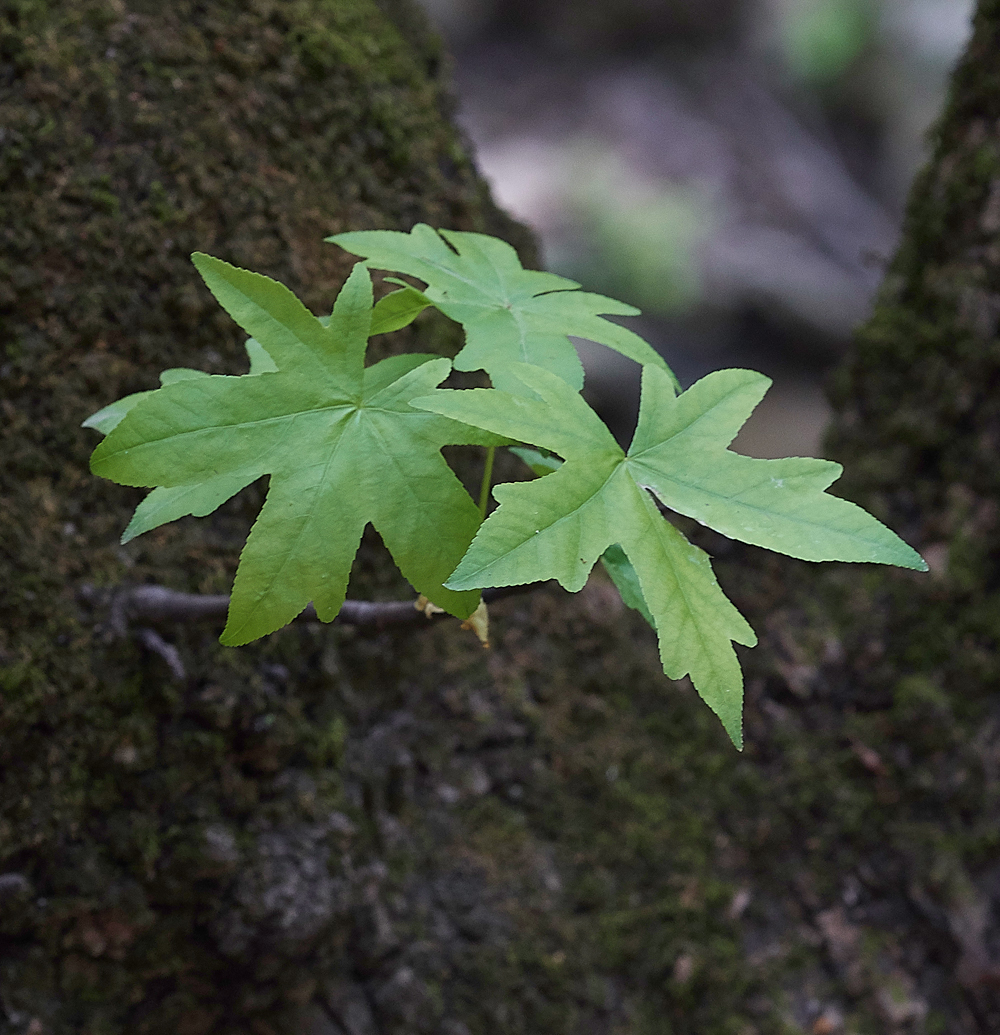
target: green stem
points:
(484, 491)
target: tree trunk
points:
(348, 831)
(173, 836)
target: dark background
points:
(735, 168)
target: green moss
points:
(133, 134)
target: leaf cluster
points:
(345, 445)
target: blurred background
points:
(736, 169)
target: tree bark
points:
(164, 867)
(392, 831)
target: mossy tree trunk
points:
(131, 134)
(369, 832)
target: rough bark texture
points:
(164, 842)
(390, 833)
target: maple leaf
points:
(616, 564)
(510, 314)
(168, 503)
(340, 442)
(558, 526)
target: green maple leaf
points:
(201, 498)
(616, 564)
(510, 314)
(340, 442)
(558, 526)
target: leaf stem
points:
(484, 490)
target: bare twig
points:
(156, 605)
(153, 641)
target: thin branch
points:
(153, 641)
(152, 604)
(484, 489)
